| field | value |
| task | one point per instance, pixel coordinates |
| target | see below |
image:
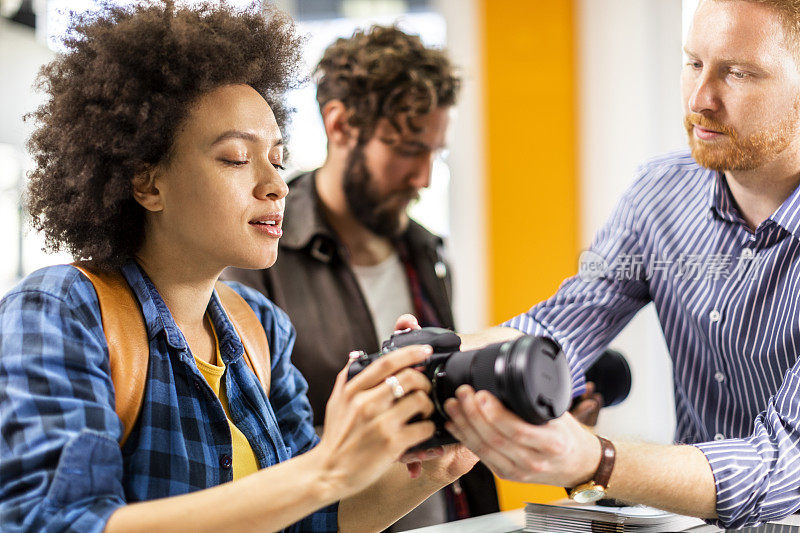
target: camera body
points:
(530, 375)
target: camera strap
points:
(423, 309)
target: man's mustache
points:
(410, 196)
(707, 123)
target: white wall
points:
(21, 57)
(467, 242)
(629, 108)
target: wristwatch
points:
(596, 488)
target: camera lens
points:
(611, 376)
(530, 375)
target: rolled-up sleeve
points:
(758, 477)
(60, 461)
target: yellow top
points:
(244, 460)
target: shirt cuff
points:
(740, 481)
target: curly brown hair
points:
(118, 96)
(385, 73)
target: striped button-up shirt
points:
(61, 467)
(728, 300)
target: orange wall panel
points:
(531, 151)
(531, 174)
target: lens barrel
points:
(611, 376)
(530, 375)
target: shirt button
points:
(225, 461)
(440, 269)
(719, 436)
(714, 316)
(747, 253)
(720, 377)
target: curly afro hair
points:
(116, 99)
(385, 73)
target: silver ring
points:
(394, 385)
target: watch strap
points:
(608, 455)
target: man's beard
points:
(735, 153)
(379, 215)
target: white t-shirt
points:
(385, 287)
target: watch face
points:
(589, 495)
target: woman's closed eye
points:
(234, 162)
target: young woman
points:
(157, 155)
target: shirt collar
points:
(787, 215)
(158, 318)
(304, 218)
(721, 202)
(230, 345)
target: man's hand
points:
(587, 406)
(561, 452)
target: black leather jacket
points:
(313, 282)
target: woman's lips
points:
(706, 135)
(270, 227)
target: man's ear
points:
(145, 190)
(340, 133)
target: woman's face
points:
(221, 196)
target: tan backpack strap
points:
(128, 346)
(250, 330)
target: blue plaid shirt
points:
(61, 467)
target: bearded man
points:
(350, 259)
(716, 233)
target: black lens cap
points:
(540, 374)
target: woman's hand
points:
(366, 428)
(443, 464)
(406, 322)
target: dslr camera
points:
(529, 374)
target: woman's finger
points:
(389, 364)
(406, 321)
(422, 455)
(414, 469)
(380, 398)
(408, 435)
(415, 404)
